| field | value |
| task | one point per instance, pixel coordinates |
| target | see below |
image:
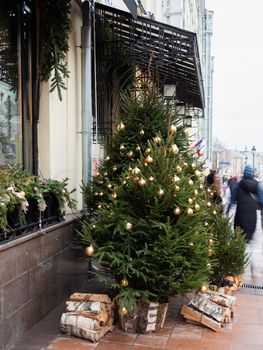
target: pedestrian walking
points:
(247, 195)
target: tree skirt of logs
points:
(211, 309)
(88, 316)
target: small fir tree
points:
(148, 221)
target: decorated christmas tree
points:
(147, 226)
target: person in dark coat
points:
(247, 194)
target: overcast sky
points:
(237, 45)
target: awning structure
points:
(169, 51)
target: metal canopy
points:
(170, 52)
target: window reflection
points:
(10, 121)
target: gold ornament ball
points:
(120, 127)
(149, 160)
(114, 168)
(208, 190)
(101, 194)
(190, 182)
(135, 170)
(124, 282)
(141, 132)
(197, 207)
(206, 223)
(157, 140)
(193, 166)
(210, 252)
(138, 148)
(128, 226)
(195, 192)
(124, 182)
(209, 204)
(141, 182)
(148, 150)
(203, 289)
(107, 158)
(89, 251)
(151, 178)
(211, 241)
(173, 129)
(130, 154)
(122, 147)
(189, 211)
(214, 212)
(123, 311)
(190, 201)
(114, 195)
(201, 186)
(99, 206)
(109, 185)
(96, 193)
(177, 188)
(178, 169)
(177, 211)
(174, 149)
(160, 192)
(176, 179)
(198, 173)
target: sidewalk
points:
(243, 333)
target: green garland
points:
(55, 29)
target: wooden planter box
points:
(148, 317)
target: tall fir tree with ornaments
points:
(148, 221)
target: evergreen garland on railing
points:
(55, 29)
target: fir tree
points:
(149, 208)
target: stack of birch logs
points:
(211, 309)
(88, 316)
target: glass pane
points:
(10, 105)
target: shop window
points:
(15, 84)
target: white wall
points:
(59, 140)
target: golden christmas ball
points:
(201, 186)
(114, 195)
(160, 192)
(191, 244)
(210, 252)
(89, 251)
(190, 201)
(151, 178)
(208, 190)
(190, 182)
(206, 223)
(130, 154)
(142, 182)
(203, 289)
(141, 132)
(209, 204)
(99, 206)
(197, 207)
(109, 185)
(124, 282)
(114, 168)
(195, 192)
(123, 311)
(177, 211)
(138, 148)
(124, 182)
(193, 166)
(198, 173)
(149, 160)
(135, 170)
(173, 129)
(189, 211)
(214, 212)
(211, 241)
(122, 147)
(148, 150)
(128, 226)
(107, 158)
(120, 126)
(177, 188)
(174, 149)
(208, 265)
(178, 169)
(101, 194)
(96, 193)
(176, 179)
(157, 140)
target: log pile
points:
(211, 309)
(88, 316)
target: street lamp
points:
(253, 154)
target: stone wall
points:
(37, 272)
